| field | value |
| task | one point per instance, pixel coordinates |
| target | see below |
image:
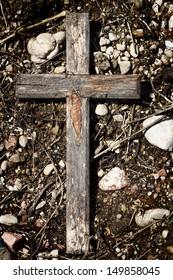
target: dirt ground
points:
(114, 232)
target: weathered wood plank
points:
(78, 193)
(77, 43)
(77, 208)
(95, 86)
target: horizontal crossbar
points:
(46, 86)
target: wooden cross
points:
(77, 86)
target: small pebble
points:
(48, 169)
(17, 185)
(8, 220)
(40, 205)
(165, 233)
(59, 70)
(4, 165)
(112, 37)
(54, 253)
(119, 216)
(124, 66)
(121, 47)
(101, 110)
(23, 141)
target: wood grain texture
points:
(77, 43)
(78, 198)
(95, 86)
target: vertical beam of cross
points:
(77, 208)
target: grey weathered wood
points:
(77, 86)
(95, 86)
(77, 208)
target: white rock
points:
(109, 50)
(23, 141)
(114, 180)
(40, 205)
(101, 110)
(168, 53)
(165, 233)
(124, 66)
(165, 59)
(48, 169)
(118, 118)
(4, 165)
(53, 53)
(61, 163)
(17, 185)
(42, 45)
(15, 158)
(169, 44)
(134, 50)
(45, 46)
(150, 216)
(170, 23)
(100, 173)
(104, 41)
(112, 36)
(8, 220)
(54, 253)
(121, 47)
(59, 70)
(59, 36)
(116, 53)
(160, 134)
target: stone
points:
(17, 185)
(8, 220)
(112, 36)
(54, 253)
(4, 165)
(165, 59)
(11, 142)
(114, 180)
(41, 45)
(101, 110)
(59, 36)
(45, 46)
(165, 233)
(12, 240)
(168, 53)
(48, 169)
(169, 44)
(40, 205)
(104, 41)
(59, 70)
(170, 22)
(23, 141)
(109, 50)
(121, 47)
(150, 216)
(116, 53)
(160, 134)
(124, 66)
(14, 158)
(118, 118)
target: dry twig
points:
(21, 29)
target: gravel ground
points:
(127, 37)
